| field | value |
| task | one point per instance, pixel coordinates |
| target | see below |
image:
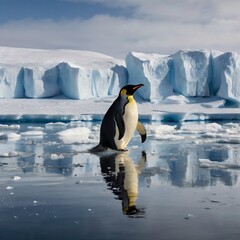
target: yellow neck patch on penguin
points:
(130, 99)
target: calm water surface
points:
(55, 189)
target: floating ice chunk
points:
(164, 132)
(55, 156)
(9, 187)
(17, 178)
(35, 128)
(201, 128)
(73, 132)
(10, 154)
(32, 133)
(80, 132)
(188, 216)
(10, 136)
(55, 125)
(161, 129)
(13, 127)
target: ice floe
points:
(32, 133)
(74, 135)
(9, 136)
(10, 154)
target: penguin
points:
(120, 122)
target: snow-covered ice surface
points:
(184, 182)
(174, 108)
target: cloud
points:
(171, 10)
(160, 28)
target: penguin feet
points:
(122, 150)
(98, 148)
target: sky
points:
(116, 27)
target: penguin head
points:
(129, 90)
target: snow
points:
(55, 110)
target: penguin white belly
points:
(130, 119)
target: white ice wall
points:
(83, 83)
(84, 75)
(40, 82)
(153, 71)
(226, 76)
(42, 74)
(11, 85)
(192, 73)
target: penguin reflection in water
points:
(121, 175)
(120, 122)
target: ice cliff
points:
(82, 75)
(192, 73)
(33, 73)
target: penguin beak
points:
(136, 87)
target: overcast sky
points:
(115, 27)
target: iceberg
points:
(153, 71)
(83, 83)
(11, 81)
(34, 73)
(40, 82)
(226, 76)
(192, 73)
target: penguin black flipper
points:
(142, 131)
(120, 124)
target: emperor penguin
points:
(120, 122)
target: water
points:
(52, 188)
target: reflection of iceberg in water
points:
(181, 162)
(121, 175)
